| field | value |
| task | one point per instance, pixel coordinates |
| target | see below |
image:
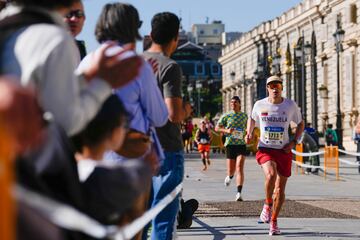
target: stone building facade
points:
(275, 47)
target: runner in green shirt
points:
(233, 125)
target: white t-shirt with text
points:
(274, 121)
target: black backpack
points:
(13, 23)
(329, 136)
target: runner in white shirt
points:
(274, 115)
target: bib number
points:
(238, 134)
(274, 135)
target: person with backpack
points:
(331, 136)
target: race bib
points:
(274, 135)
(238, 133)
(203, 141)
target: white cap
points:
(273, 79)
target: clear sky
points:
(237, 15)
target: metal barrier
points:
(331, 160)
(70, 218)
(7, 204)
(299, 158)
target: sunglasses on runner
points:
(275, 86)
(76, 13)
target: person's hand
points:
(229, 130)
(112, 69)
(21, 115)
(287, 148)
(154, 64)
(248, 138)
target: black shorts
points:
(232, 151)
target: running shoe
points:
(274, 229)
(227, 181)
(238, 197)
(265, 215)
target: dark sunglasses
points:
(275, 86)
(76, 13)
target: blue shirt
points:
(143, 100)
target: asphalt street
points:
(318, 208)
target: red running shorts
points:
(283, 160)
(204, 148)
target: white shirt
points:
(274, 121)
(42, 56)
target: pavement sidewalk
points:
(338, 196)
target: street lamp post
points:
(190, 89)
(198, 88)
(276, 65)
(302, 52)
(339, 37)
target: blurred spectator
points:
(312, 132)
(193, 136)
(186, 132)
(310, 146)
(75, 17)
(208, 123)
(142, 98)
(21, 130)
(41, 55)
(331, 136)
(357, 141)
(110, 189)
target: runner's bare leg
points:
(240, 160)
(270, 173)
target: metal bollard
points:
(7, 203)
(299, 148)
(331, 160)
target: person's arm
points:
(58, 85)
(110, 68)
(197, 136)
(210, 135)
(249, 130)
(171, 83)
(220, 127)
(299, 130)
(60, 93)
(178, 111)
(151, 99)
